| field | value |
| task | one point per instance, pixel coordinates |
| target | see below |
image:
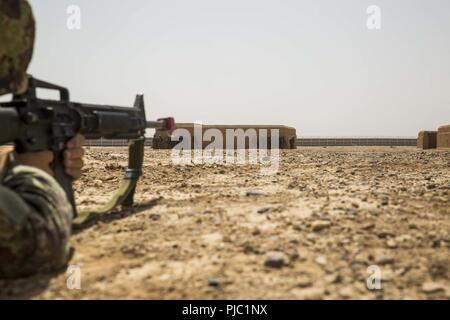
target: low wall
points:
(301, 142)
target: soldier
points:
(35, 215)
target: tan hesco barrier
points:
(287, 135)
(443, 137)
(427, 140)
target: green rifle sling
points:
(124, 195)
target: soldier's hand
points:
(73, 156)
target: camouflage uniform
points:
(35, 216)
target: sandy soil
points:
(226, 232)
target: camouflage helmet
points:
(16, 44)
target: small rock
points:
(320, 225)
(385, 234)
(164, 277)
(333, 278)
(213, 282)
(346, 292)
(263, 210)
(413, 226)
(155, 216)
(322, 260)
(439, 269)
(98, 183)
(368, 226)
(384, 260)
(406, 238)
(361, 258)
(255, 193)
(275, 260)
(432, 287)
(304, 282)
(391, 244)
(311, 237)
(436, 243)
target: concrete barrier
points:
(443, 137)
(427, 140)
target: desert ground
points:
(311, 231)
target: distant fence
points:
(112, 143)
(301, 142)
(321, 142)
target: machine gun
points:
(34, 124)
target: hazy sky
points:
(310, 64)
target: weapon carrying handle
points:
(34, 84)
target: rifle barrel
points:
(155, 124)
